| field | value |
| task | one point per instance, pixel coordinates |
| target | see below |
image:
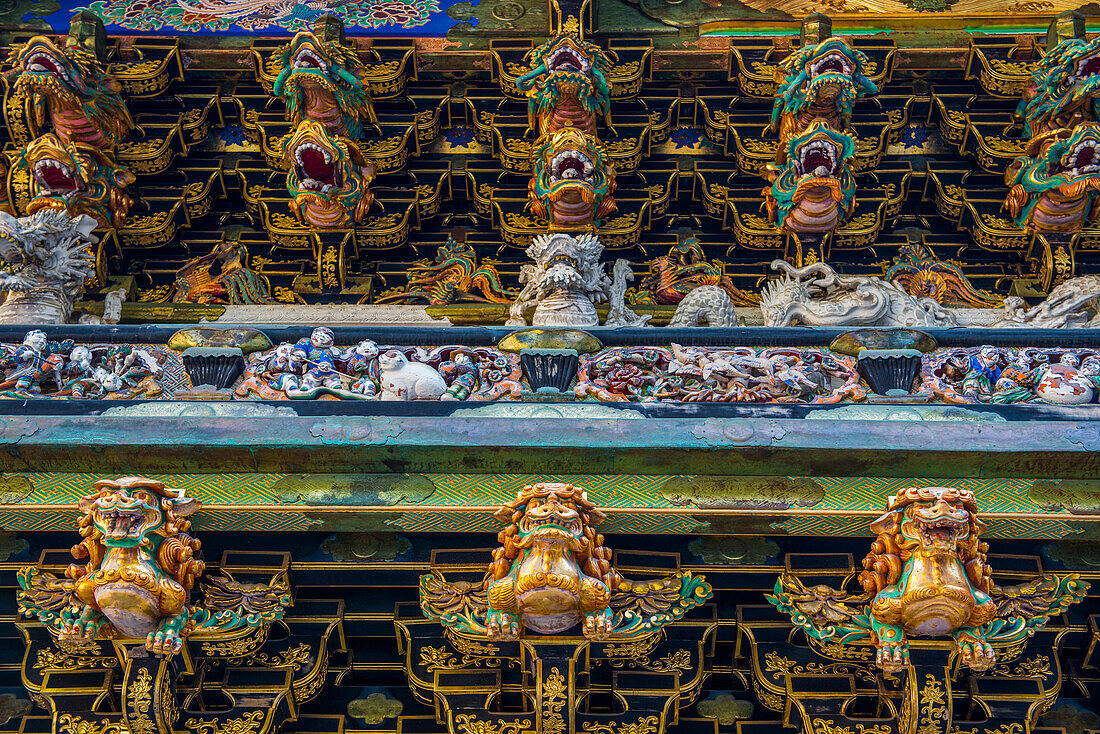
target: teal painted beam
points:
(714, 446)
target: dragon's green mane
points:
(1034, 173)
(796, 93)
(1049, 95)
(593, 88)
(341, 78)
(89, 84)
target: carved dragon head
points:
(1061, 163)
(72, 77)
(558, 515)
(829, 77)
(572, 180)
(124, 511)
(327, 177)
(793, 290)
(815, 168)
(569, 263)
(308, 63)
(76, 179)
(1064, 88)
(567, 66)
(934, 521)
(48, 247)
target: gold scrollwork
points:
(236, 647)
(553, 700)
(247, 724)
(69, 724)
(644, 725)
(677, 660)
(66, 661)
(933, 706)
(468, 724)
(1013, 728)
(1036, 667)
(827, 726)
(140, 699)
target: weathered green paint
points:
(743, 492)
(742, 446)
(1079, 496)
(14, 489)
(353, 489)
(350, 521)
(365, 546)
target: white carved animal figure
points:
(44, 261)
(707, 303)
(619, 315)
(817, 295)
(405, 380)
(563, 283)
(1071, 305)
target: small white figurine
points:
(404, 380)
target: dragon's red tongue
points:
(56, 178)
(1084, 157)
(572, 164)
(47, 64)
(818, 158)
(1092, 66)
(315, 167)
(567, 60)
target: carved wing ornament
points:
(254, 603)
(461, 604)
(1048, 595)
(823, 605)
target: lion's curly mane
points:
(883, 565)
(594, 559)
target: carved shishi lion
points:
(929, 574)
(552, 569)
(141, 563)
(926, 576)
(553, 572)
(141, 567)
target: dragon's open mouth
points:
(1080, 160)
(43, 62)
(1086, 66)
(315, 168)
(56, 178)
(571, 165)
(818, 158)
(830, 62)
(567, 59)
(563, 259)
(121, 523)
(306, 58)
